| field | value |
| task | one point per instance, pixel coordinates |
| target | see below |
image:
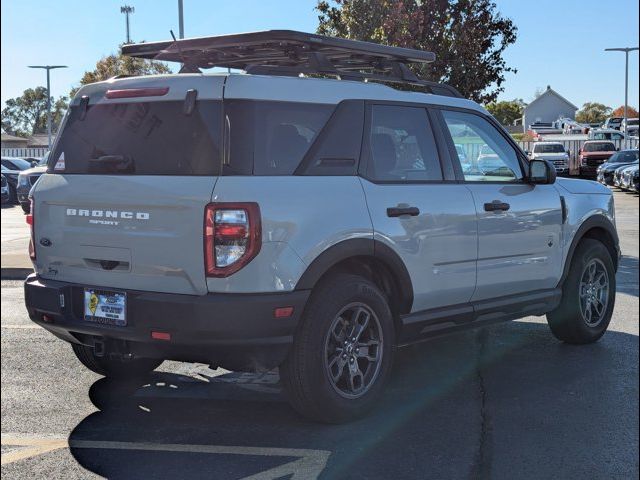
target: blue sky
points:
(560, 43)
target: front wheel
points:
(114, 367)
(342, 353)
(588, 295)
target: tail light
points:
(232, 237)
(31, 222)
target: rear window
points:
(143, 138)
(270, 138)
(599, 147)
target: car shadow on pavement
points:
(506, 401)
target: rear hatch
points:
(122, 205)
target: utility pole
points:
(626, 51)
(126, 9)
(48, 68)
(180, 20)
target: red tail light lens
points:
(30, 218)
(232, 237)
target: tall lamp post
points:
(180, 19)
(48, 68)
(127, 10)
(626, 51)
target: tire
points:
(341, 301)
(26, 207)
(114, 367)
(570, 322)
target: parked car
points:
(4, 190)
(593, 154)
(606, 134)
(26, 180)
(12, 182)
(618, 175)
(613, 123)
(553, 152)
(14, 163)
(619, 159)
(332, 224)
(629, 178)
(631, 125)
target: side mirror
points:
(568, 153)
(527, 153)
(541, 172)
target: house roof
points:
(551, 91)
(39, 140)
(12, 138)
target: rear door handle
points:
(400, 211)
(496, 206)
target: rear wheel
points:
(114, 367)
(26, 207)
(342, 352)
(588, 295)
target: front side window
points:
(487, 154)
(402, 147)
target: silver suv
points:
(268, 219)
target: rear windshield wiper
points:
(112, 164)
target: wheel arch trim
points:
(592, 223)
(360, 247)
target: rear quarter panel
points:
(301, 217)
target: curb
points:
(15, 273)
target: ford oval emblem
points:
(45, 242)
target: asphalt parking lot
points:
(504, 402)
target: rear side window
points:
(143, 138)
(270, 138)
(401, 145)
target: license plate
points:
(105, 307)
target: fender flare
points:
(596, 221)
(361, 247)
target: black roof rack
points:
(286, 52)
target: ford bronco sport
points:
(280, 218)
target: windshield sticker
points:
(59, 164)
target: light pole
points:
(626, 51)
(126, 9)
(48, 68)
(180, 20)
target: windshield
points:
(599, 147)
(549, 148)
(624, 157)
(15, 163)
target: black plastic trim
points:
(598, 221)
(425, 324)
(236, 331)
(361, 247)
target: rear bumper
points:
(234, 331)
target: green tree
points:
(119, 64)
(27, 115)
(593, 112)
(467, 36)
(506, 112)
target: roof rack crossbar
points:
(286, 52)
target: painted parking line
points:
(29, 446)
(308, 464)
(22, 327)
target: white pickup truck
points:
(553, 152)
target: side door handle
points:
(400, 211)
(496, 206)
